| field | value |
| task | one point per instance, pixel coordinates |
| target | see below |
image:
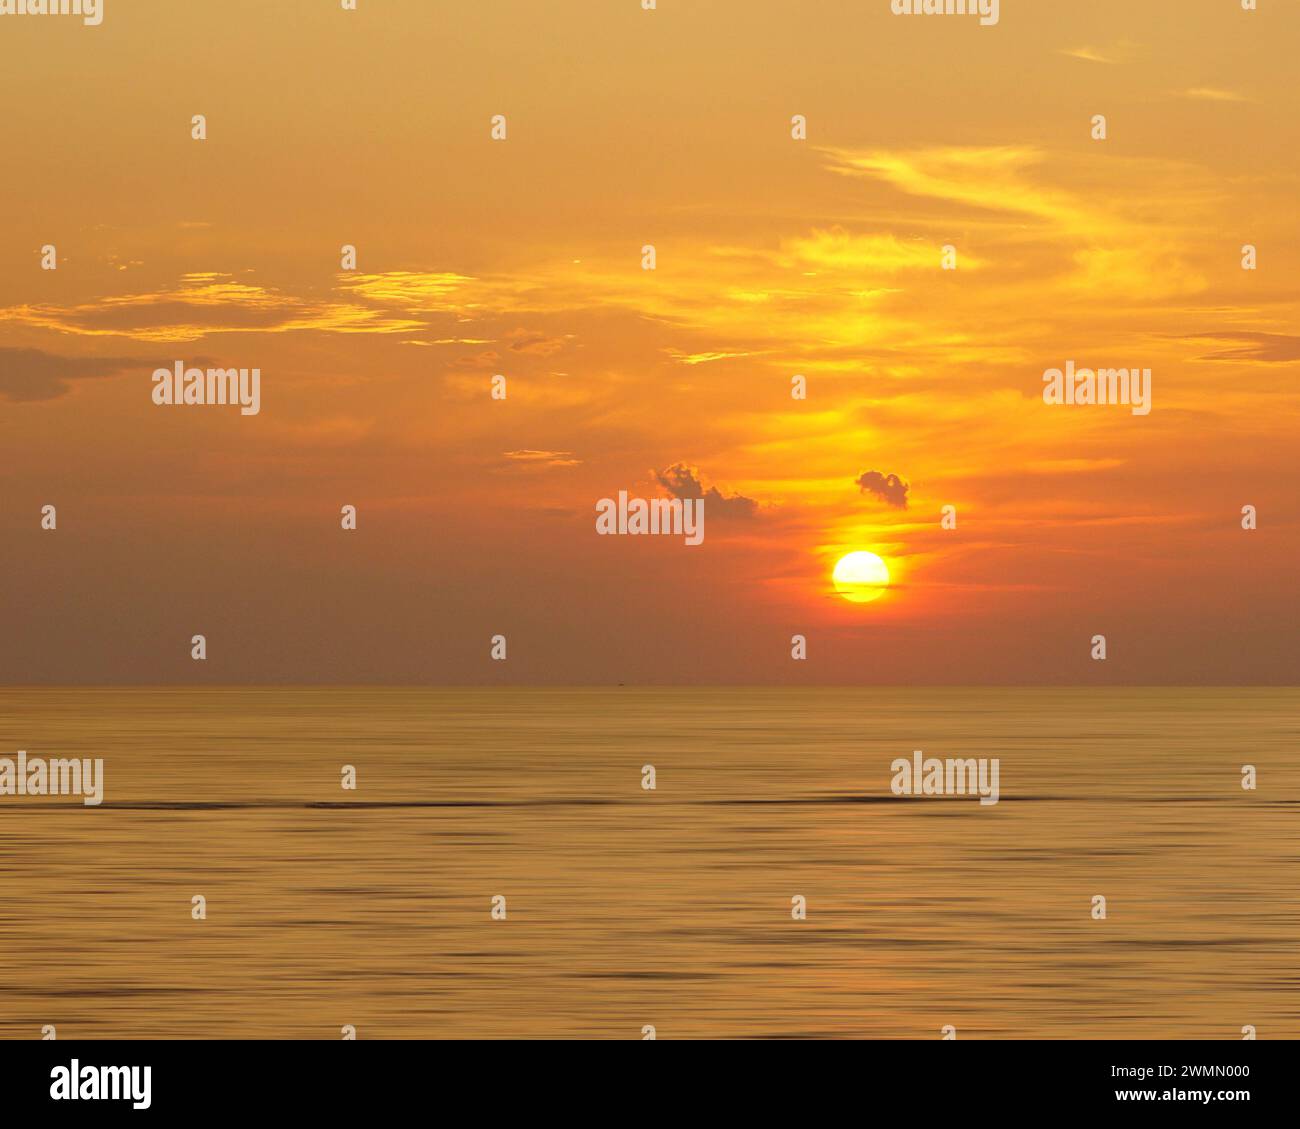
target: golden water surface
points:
(672, 907)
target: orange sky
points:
(523, 257)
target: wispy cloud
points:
(543, 458)
(205, 303)
(1116, 53)
(409, 290)
(703, 358)
(840, 250)
(990, 177)
(1213, 94)
(1274, 348)
(534, 343)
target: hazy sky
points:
(775, 257)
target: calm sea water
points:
(673, 907)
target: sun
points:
(860, 577)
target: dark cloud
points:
(480, 360)
(1275, 347)
(538, 344)
(889, 488)
(683, 481)
(30, 374)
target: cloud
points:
(1122, 52)
(1269, 347)
(543, 458)
(204, 303)
(839, 293)
(988, 177)
(1213, 94)
(703, 358)
(536, 344)
(30, 374)
(683, 481)
(409, 290)
(838, 250)
(889, 488)
(1108, 244)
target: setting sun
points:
(861, 577)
